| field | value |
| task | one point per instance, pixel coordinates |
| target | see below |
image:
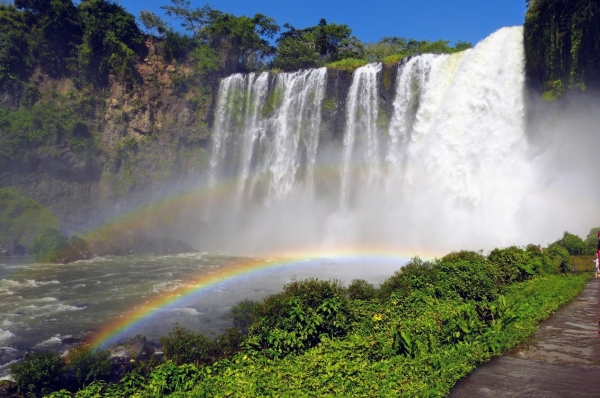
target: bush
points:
(182, 346)
(573, 243)
(50, 246)
(348, 64)
(38, 374)
(416, 274)
(89, 365)
(296, 319)
(560, 258)
(44, 125)
(591, 241)
(360, 289)
(229, 342)
(468, 274)
(243, 314)
(513, 264)
(53, 247)
(22, 219)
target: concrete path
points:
(562, 359)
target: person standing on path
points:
(598, 252)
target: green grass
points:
(348, 64)
(393, 59)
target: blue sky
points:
(370, 20)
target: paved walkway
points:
(562, 359)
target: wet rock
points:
(71, 341)
(131, 347)
(143, 245)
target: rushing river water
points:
(49, 306)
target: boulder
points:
(131, 347)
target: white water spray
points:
(452, 171)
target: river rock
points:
(131, 347)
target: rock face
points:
(561, 46)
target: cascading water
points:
(292, 136)
(362, 112)
(411, 83)
(264, 138)
(440, 174)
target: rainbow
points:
(143, 313)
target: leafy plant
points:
(183, 346)
(89, 365)
(243, 314)
(38, 373)
(360, 289)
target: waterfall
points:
(293, 134)
(439, 172)
(410, 88)
(361, 140)
(263, 138)
(468, 140)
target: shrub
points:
(468, 274)
(38, 374)
(50, 246)
(182, 346)
(22, 219)
(360, 289)
(560, 258)
(229, 342)
(89, 365)
(348, 64)
(296, 319)
(573, 243)
(416, 274)
(513, 264)
(591, 241)
(243, 314)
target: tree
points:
(153, 23)
(56, 31)
(15, 51)
(573, 243)
(316, 45)
(192, 20)
(110, 38)
(241, 42)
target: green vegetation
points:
(561, 46)
(315, 46)
(89, 365)
(53, 247)
(22, 219)
(427, 326)
(348, 64)
(41, 128)
(38, 374)
(391, 50)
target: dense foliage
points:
(561, 45)
(36, 132)
(22, 219)
(94, 39)
(426, 327)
